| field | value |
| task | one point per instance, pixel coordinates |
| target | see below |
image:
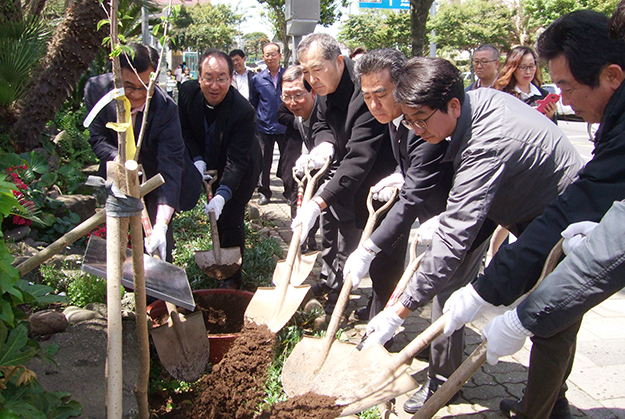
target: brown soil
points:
(221, 272)
(222, 313)
(235, 387)
(306, 406)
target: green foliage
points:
(253, 44)
(22, 45)
(376, 28)
(73, 145)
(477, 22)
(204, 26)
(83, 289)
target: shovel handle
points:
(211, 214)
(374, 215)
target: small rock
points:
(256, 226)
(265, 232)
(47, 322)
(128, 315)
(313, 305)
(253, 212)
(128, 301)
(98, 308)
(83, 205)
(321, 322)
(54, 192)
(17, 234)
(76, 315)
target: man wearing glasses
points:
(486, 66)
(265, 91)
(219, 128)
(163, 150)
(509, 163)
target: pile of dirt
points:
(306, 406)
(235, 387)
(223, 313)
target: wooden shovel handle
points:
(211, 215)
(375, 215)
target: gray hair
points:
(381, 59)
(494, 52)
(330, 48)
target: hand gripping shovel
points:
(304, 263)
(364, 379)
(310, 354)
(478, 356)
(181, 343)
(219, 263)
(274, 306)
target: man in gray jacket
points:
(509, 163)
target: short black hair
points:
(145, 57)
(494, 52)
(427, 81)
(381, 59)
(236, 52)
(583, 38)
(218, 54)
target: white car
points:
(564, 111)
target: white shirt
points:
(241, 84)
(524, 96)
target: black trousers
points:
(267, 142)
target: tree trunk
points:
(69, 55)
(419, 11)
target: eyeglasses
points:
(221, 80)
(482, 62)
(421, 124)
(530, 67)
(298, 97)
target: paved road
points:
(577, 133)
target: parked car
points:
(564, 112)
(261, 64)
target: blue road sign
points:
(386, 4)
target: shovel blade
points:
(183, 346)
(306, 360)
(219, 269)
(401, 385)
(301, 269)
(263, 306)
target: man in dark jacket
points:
(361, 151)
(588, 66)
(265, 92)
(510, 162)
(298, 113)
(163, 150)
(219, 128)
(241, 77)
(423, 180)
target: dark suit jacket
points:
(234, 141)
(163, 149)
(363, 154)
(426, 186)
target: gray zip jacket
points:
(510, 161)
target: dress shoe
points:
(561, 409)
(312, 244)
(320, 289)
(230, 284)
(417, 400)
(263, 200)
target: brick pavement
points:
(596, 385)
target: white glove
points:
(383, 190)
(505, 335)
(426, 231)
(158, 240)
(300, 164)
(306, 216)
(318, 155)
(200, 165)
(575, 234)
(463, 306)
(216, 205)
(358, 262)
(382, 327)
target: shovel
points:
(310, 353)
(304, 263)
(219, 263)
(363, 380)
(181, 343)
(274, 306)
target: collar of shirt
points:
(397, 121)
(533, 92)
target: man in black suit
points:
(241, 76)
(219, 128)
(423, 179)
(361, 151)
(163, 150)
(298, 113)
